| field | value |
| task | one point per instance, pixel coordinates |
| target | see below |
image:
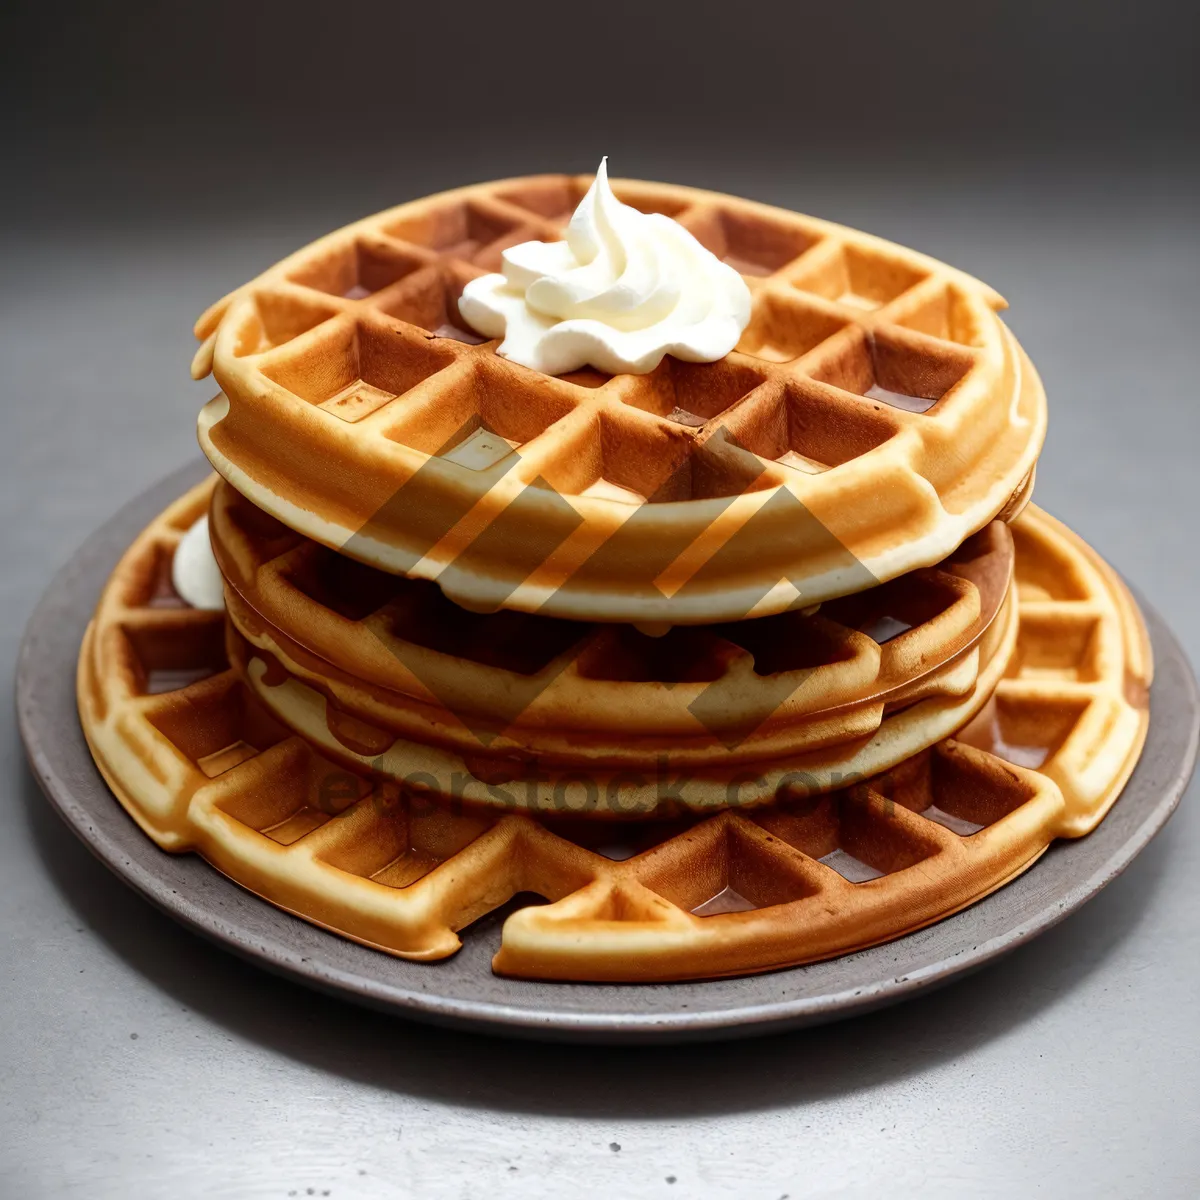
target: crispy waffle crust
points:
(365, 664)
(875, 415)
(201, 765)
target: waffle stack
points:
(736, 665)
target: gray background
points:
(158, 155)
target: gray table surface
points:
(137, 1060)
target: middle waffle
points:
(387, 676)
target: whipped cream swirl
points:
(624, 289)
(194, 571)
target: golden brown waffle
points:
(876, 414)
(394, 653)
(205, 768)
(825, 757)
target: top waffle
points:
(875, 414)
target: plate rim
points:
(73, 787)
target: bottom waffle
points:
(201, 765)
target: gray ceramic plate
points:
(463, 991)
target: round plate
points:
(462, 990)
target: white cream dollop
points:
(624, 289)
(194, 571)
